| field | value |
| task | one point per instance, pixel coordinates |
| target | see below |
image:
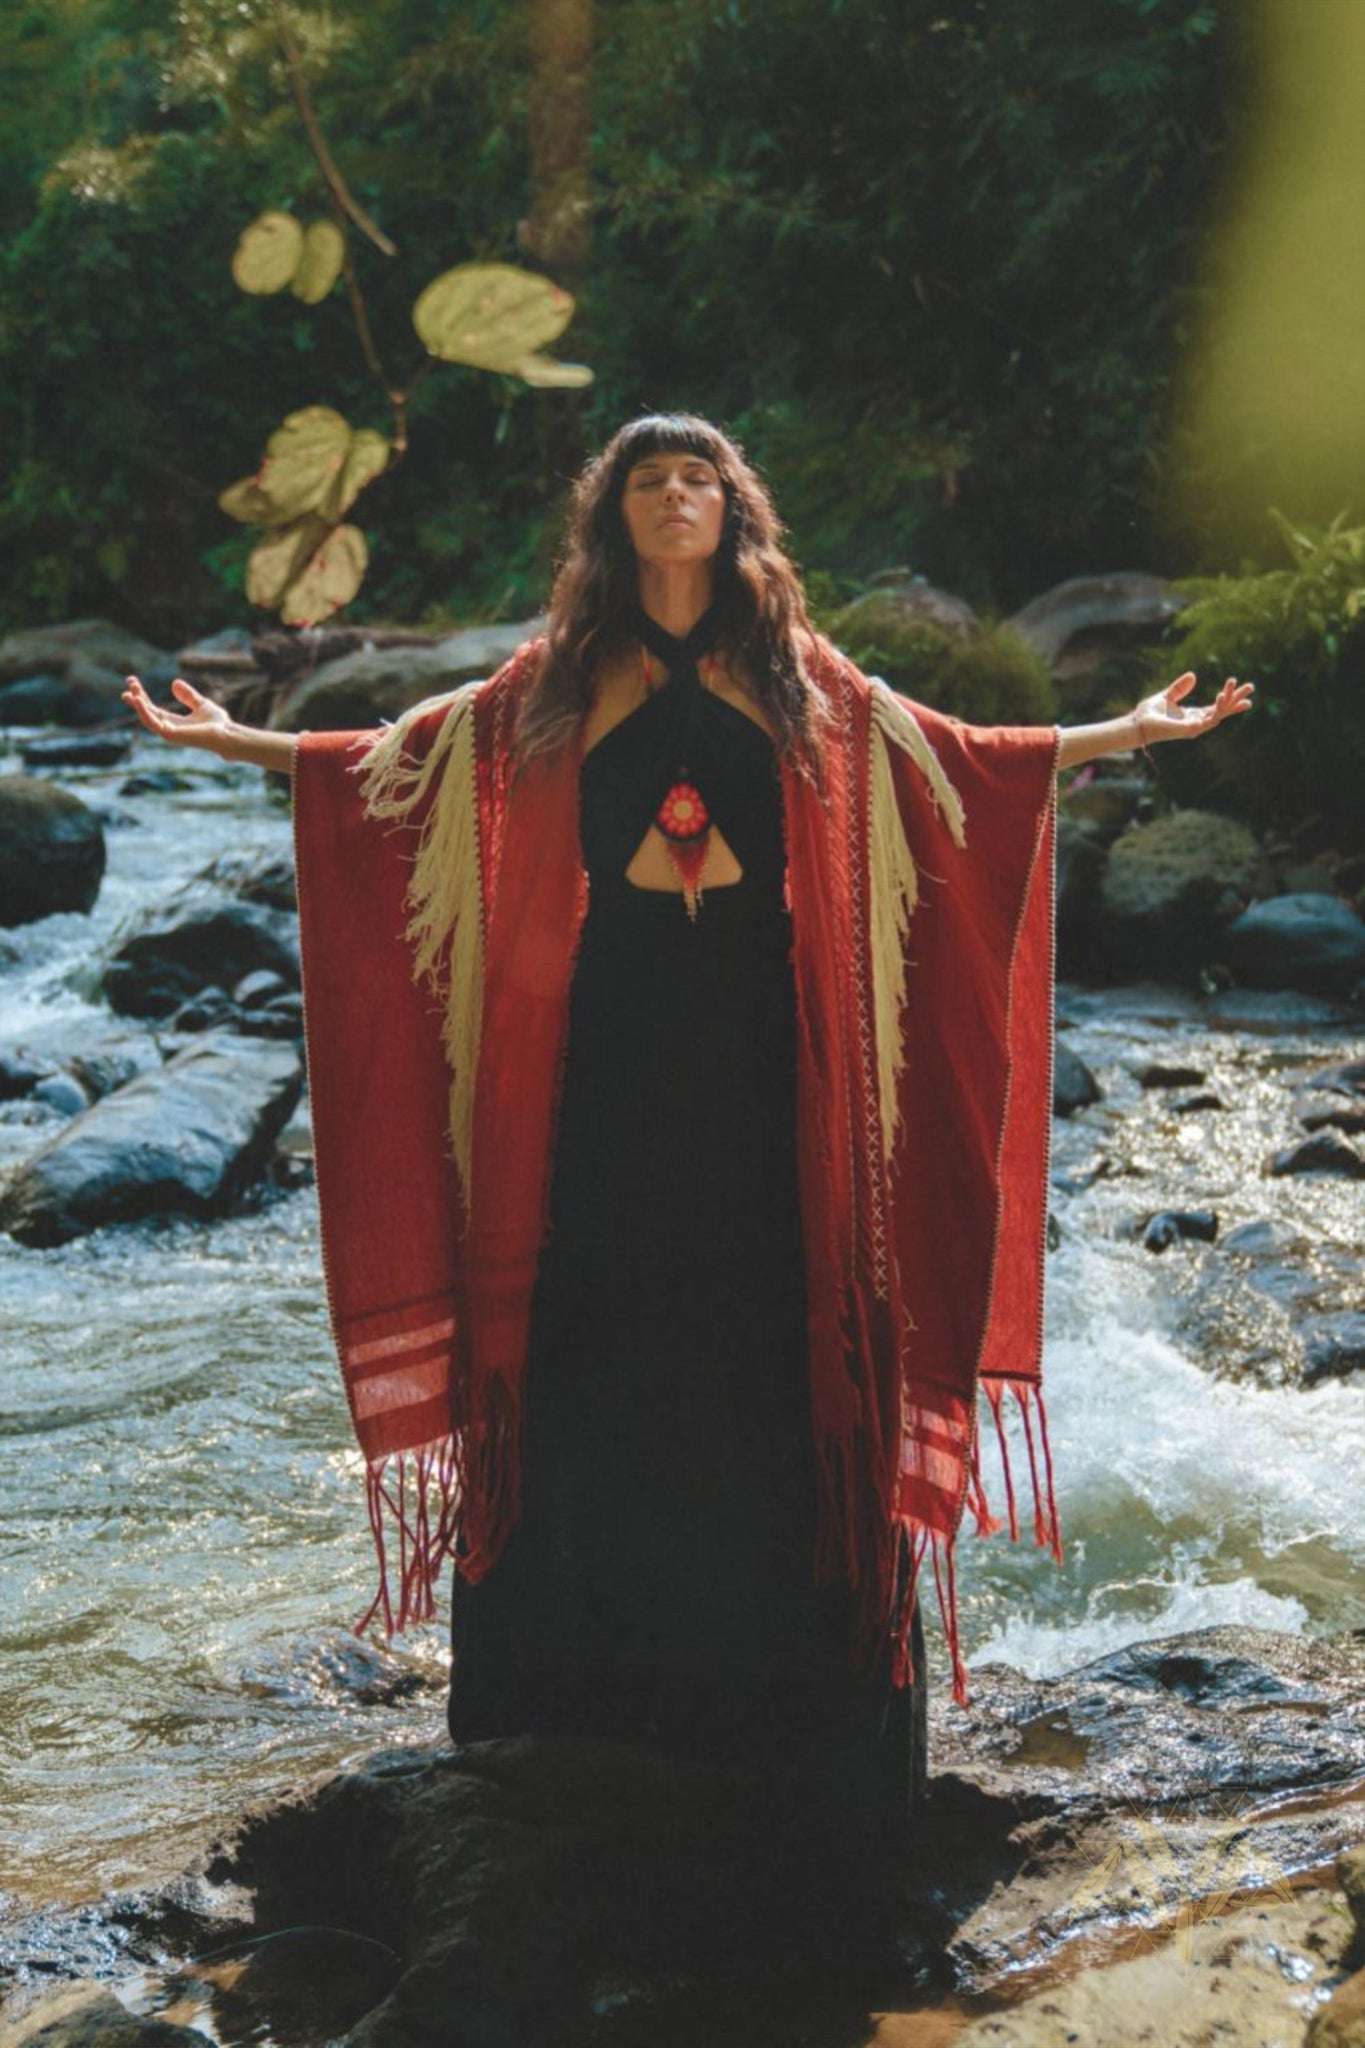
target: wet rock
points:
(304, 1986)
(1109, 803)
(1273, 1010)
(1170, 888)
(114, 1064)
(91, 750)
(1157, 1075)
(256, 988)
(1265, 1238)
(1327, 1111)
(51, 851)
(89, 2016)
(1073, 1084)
(1081, 624)
(187, 1139)
(252, 877)
(153, 782)
(180, 952)
(21, 1070)
(1192, 1105)
(62, 1093)
(1350, 1873)
(54, 649)
(1080, 863)
(1244, 1976)
(1333, 1346)
(1347, 1078)
(1310, 942)
(83, 696)
(382, 682)
(1325, 1152)
(1170, 1226)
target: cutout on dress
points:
(651, 856)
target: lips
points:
(677, 519)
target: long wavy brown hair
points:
(763, 632)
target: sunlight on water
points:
(182, 1504)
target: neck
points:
(676, 596)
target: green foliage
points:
(992, 677)
(931, 260)
(1299, 634)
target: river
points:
(181, 1504)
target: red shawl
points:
(924, 1220)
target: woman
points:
(743, 970)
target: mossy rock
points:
(1171, 887)
(989, 677)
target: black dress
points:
(659, 1583)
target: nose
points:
(674, 486)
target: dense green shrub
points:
(992, 677)
(1299, 634)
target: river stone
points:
(1307, 942)
(1079, 625)
(181, 953)
(51, 851)
(52, 650)
(527, 1883)
(80, 750)
(1333, 1346)
(1171, 1226)
(1325, 1152)
(382, 682)
(64, 1094)
(1073, 1084)
(1266, 1238)
(1170, 887)
(1351, 1878)
(188, 1138)
(1080, 863)
(899, 606)
(1109, 803)
(1337, 1112)
(83, 695)
(89, 2016)
(21, 1069)
(255, 877)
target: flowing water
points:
(181, 1504)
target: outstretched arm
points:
(1162, 716)
(206, 724)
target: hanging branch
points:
(336, 183)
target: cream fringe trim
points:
(445, 889)
(894, 884)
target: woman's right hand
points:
(202, 724)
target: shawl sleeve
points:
(970, 1170)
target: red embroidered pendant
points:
(685, 823)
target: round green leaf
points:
(267, 253)
(548, 375)
(366, 458)
(279, 558)
(324, 250)
(328, 579)
(490, 315)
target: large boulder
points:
(1171, 888)
(89, 2016)
(180, 952)
(901, 604)
(1080, 625)
(53, 650)
(1307, 941)
(189, 1138)
(51, 851)
(83, 694)
(384, 681)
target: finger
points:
(1181, 687)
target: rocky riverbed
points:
(184, 1536)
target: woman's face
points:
(674, 509)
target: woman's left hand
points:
(1165, 716)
